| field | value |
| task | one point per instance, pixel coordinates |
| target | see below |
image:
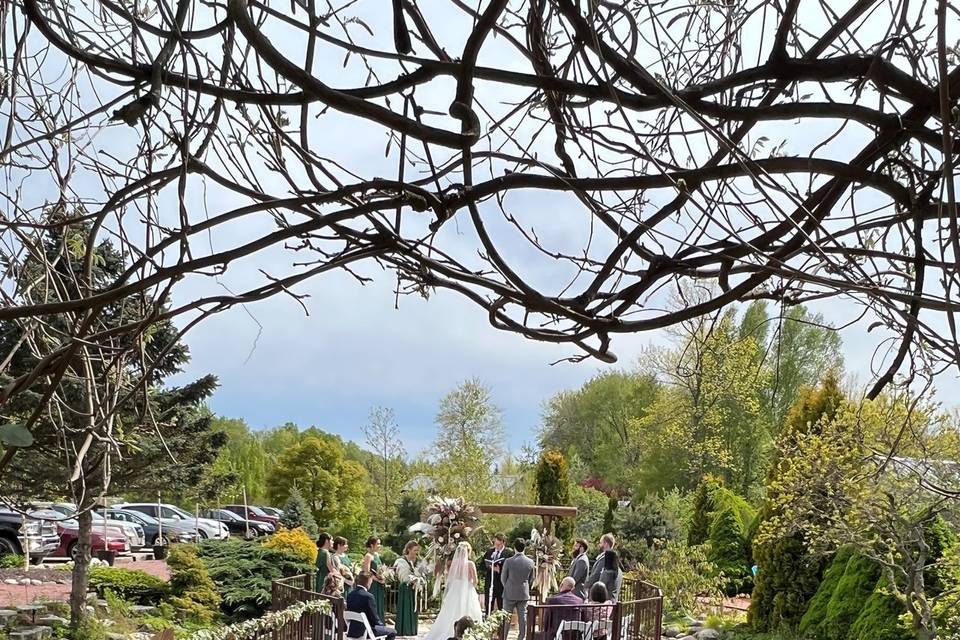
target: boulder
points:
(52, 621)
(36, 583)
(11, 581)
(671, 632)
(707, 634)
(688, 638)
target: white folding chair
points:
(352, 616)
(585, 629)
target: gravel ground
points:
(14, 595)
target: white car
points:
(172, 514)
(133, 532)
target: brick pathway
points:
(14, 595)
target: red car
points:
(69, 533)
(252, 513)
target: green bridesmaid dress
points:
(376, 589)
(406, 607)
(322, 570)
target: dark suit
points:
(554, 616)
(361, 601)
(494, 577)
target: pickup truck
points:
(42, 537)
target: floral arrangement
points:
(265, 625)
(446, 523)
(386, 575)
(486, 629)
(547, 550)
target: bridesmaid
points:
(406, 595)
(371, 565)
(324, 561)
(341, 562)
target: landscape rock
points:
(10, 581)
(52, 621)
(25, 581)
(688, 638)
(671, 632)
(142, 610)
(707, 634)
(36, 583)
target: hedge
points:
(132, 585)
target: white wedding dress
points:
(460, 597)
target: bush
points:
(702, 510)
(244, 571)
(132, 585)
(816, 612)
(787, 579)
(946, 611)
(846, 603)
(388, 556)
(194, 594)
(551, 485)
(296, 514)
(296, 543)
(880, 617)
(683, 573)
(591, 507)
(11, 561)
(728, 552)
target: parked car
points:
(273, 511)
(171, 532)
(238, 525)
(42, 538)
(69, 531)
(171, 514)
(252, 513)
(133, 532)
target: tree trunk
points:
(81, 570)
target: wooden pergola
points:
(547, 512)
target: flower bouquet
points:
(386, 575)
(547, 550)
(446, 523)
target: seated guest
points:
(360, 600)
(601, 614)
(460, 627)
(565, 605)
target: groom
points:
(492, 563)
(517, 576)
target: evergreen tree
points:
(552, 487)
(296, 513)
(787, 575)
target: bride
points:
(460, 598)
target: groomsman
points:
(607, 542)
(492, 565)
(580, 568)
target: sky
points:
(356, 350)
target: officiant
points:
(492, 563)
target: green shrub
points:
(243, 572)
(939, 537)
(551, 485)
(11, 561)
(728, 551)
(683, 573)
(816, 613)
(388, 556)
(787, 579)
(846, 603)
(193, 592)
(880, 617)
(702, 510)
(132, 585)
(946, 610)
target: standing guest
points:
(564, 605)
(607, 543)
(611, 576)
(371, 565)
(360, 600)
(405, 568)
(493, 563)
(324, 561)
(341, 561)
(599, 596)
(580, 568)
(517, 575)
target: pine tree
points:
(296, 513)
(787, 576)
(552, 486)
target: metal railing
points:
(286, 592)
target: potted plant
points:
(160, 549)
